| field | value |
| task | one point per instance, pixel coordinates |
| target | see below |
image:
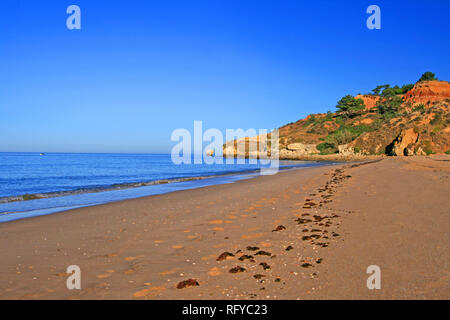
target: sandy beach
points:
(302, 234)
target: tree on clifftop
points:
(386, 90)
(348, 106)
(427, 76)
(377, 91)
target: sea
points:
(33, 184)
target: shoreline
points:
(118, 186)
(335, 157)
(63, 201)
(143, 248)
(332, 158)
(130, 185)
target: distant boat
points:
(42, 154)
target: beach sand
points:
(302, 234)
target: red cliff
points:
(425, 91)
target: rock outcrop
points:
(302, 148)
(428, 91)
(346, 150)
(370, 101)
(298, 150)
(404, 144)
(248, 147)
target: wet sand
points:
(303, 234)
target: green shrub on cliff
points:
(311, 120)
(427, 148)
(427, 76)
(406, 88)
(420, 107)
(379, 89)
(326, 148)
(346, 134)
(348, 106)
(386, 90)
(341, 136)
(388, 107)
(389, 92)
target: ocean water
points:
(32, 184)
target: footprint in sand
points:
(237, 269)
(187, 283)
(279, 228)
(224, 256)
(262, 253)
(264, 265)
(246, 257)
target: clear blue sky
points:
(137, 70)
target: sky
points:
(138, 70)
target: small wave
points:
(119, 186)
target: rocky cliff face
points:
(404, 143)
(252, 147)
(298, 150)
(420, 125)
(370, 101)
(428, 92)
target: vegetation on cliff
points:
(380, 122)
(412, 119)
